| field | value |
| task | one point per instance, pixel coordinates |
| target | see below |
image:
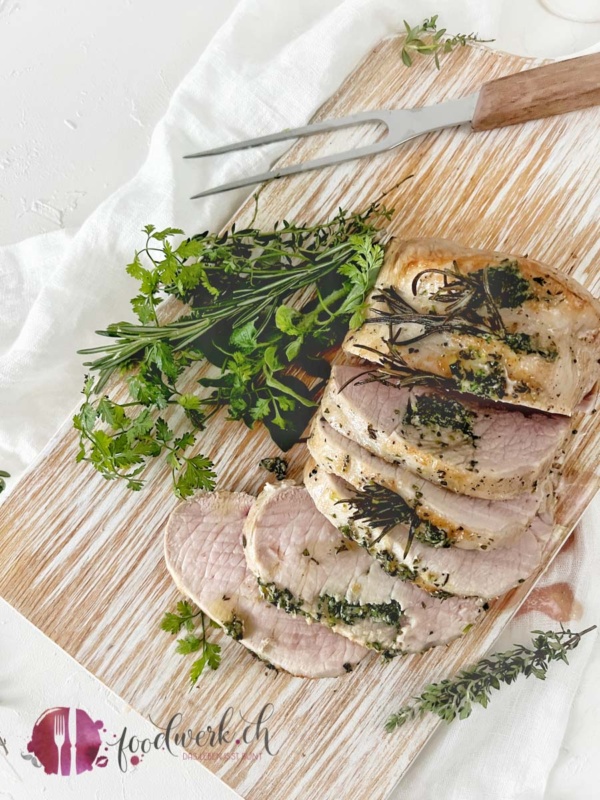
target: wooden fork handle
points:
(537, 93)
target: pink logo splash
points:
(66, 741)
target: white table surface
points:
(81, 87)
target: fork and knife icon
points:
(65, 732)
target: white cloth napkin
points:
(271, 66)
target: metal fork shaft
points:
(294, 133)
(401, 125)
(294, 169)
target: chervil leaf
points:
(189, 644)
(194, 640)
(160, 236)
(197, 669)
(171, 623)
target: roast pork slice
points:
(466, 573)
(466, 522)
(537, 345)
(205, 556)
(481, 450)
(306, 566)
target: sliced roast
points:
(502, 327)
(467, 522)
(481, 450)
(306, 566)
(486, 574)
(205, 556)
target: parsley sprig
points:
(427, 39)
(120, 448)
(194, 640)
(259, 304)
(455, 697)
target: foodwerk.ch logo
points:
(66, 741)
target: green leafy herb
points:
(118, 444)
(194, 640)
(278, 466)
(455, 697)
(427, 39)
(3, 475)
(260, 303)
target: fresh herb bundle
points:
(260, 303)
(435, 43)
(195, 640)
(455, 697)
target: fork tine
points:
(294, 169)
(295, 133)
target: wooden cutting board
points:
(82, 558)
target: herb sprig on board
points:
(456, 696)
(259, 303)
(427, 39)
(195, 640)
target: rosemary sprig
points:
(194, 640)
(436, 42)
(392, 370)
(455, 697)
(380, 507)
(473, 303)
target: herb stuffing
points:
(439, 412)
(334, 610)
(455, 697)
(259, 304)
(277, 465)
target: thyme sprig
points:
(382, 508)
(455, 697)
(435, 42)
(195, 640)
